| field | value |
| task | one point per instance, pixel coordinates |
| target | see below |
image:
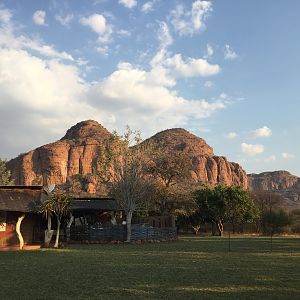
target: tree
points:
(196, 220)
(277, 219)
(211, 205)
(267, 202)
(123, 170)
(241, 207)
(170, 171)
(5, 174)
(57, 204)
(220, 204)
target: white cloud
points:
(231, 135)
(200, 9)
(96, 22)
(209, 51)
(164, 35)
(229, 54)
(136, 92)
(167, 67)
(191, 21)
(190, 67)
(37, 106)
(286, 155)
(208, 84)
(251, 149)
(263, 132)
(39, 17)
(65, 20)
(128, 3)
(148, 6)
(99, 25)
(5, 15)
(9, 40)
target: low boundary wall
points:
(119, 232)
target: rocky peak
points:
(205, 166)
(270, 181)
(281, 183)
(89, 129)
(179, 139)
(73, 161)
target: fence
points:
(119, 233)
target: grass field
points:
(191, 268)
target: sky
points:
(227, 71)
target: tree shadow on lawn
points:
(188, 269)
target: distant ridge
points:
(281, 182)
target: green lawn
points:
(192, 268)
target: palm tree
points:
(57, 204)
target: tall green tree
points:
(211, 205)
(241, 207)
(57, 204)
(5, 175)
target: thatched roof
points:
(21, 198)
(93, 203)
(29, 198)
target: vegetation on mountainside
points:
(5, 175)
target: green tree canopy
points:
(219, 204)
(5, 175)
(240, 205)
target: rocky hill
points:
(73, 160)
(70, 161)
(281, 183)
(206, 167)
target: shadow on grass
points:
(192, 268)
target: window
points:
(2, 220)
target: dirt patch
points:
(16, 248)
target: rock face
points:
(206, 167)
(73, 160)
(281, 183)
(272, 181)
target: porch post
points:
(68, 230)
(18, 231)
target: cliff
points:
(73, 160)
(205, 166)
(281, 183)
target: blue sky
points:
(228, 71)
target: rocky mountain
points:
(73, 160)
(281, 183)
(206, 167)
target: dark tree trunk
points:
(233, 226)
